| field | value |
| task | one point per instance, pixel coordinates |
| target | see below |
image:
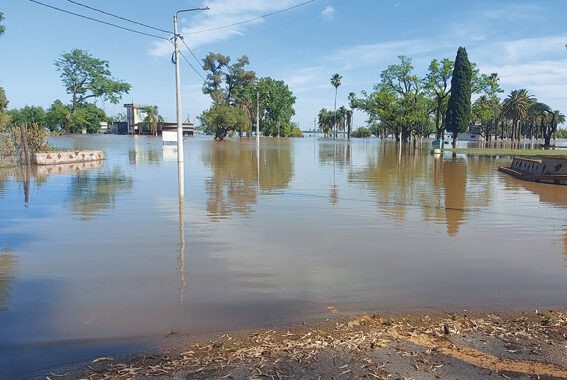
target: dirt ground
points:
(528, 345)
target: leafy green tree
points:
(2, 27)
(276, 107)
(483, 113)
(58, 116)
(4, 117)
(361, 132)
(87, 117)
(224, 81)
(86, 77)
(400, 81)
(437, 85)
(459, 108)
(222, 119)
(28, 114)
(336, 82)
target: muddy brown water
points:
(107, 261)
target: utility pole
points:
(257, 119)
(176, 36)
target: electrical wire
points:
(99, 21)
(253, 19)
(190, 65)
(193, 54)
(119, 17)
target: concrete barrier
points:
(67, 157)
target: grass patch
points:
(510, 152)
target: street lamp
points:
(177, 80)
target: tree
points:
(153, 120)
(87, 117)
(224, 81)
(276, 107)
(352, 101)
(325, 120)
(28, 115)
(86, 77)
(437, 85)
(459, 108)
(2, 27)
(483, 113)
(4, 117)
(515, 107)
(222, 119)
(58, 116)
(336, 82)
(361, 132)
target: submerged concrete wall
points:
(67, 157)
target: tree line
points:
(405, 105)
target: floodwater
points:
(110, 259)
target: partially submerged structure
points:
(546, 170)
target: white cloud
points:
(328, 12)
(381, 53)
(543, 79)
(205, 27)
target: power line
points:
(193, 54)
(194, 69)
(253, 19)
(99, 21)
(119, 17)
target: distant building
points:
(135, 115)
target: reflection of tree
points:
(92, 192)
(399, 176)
(455, 181)
(335, 152)
(236, 177)
(403, 177)
(7, 273)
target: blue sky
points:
(524, 42)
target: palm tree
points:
(515, 108)
(153, 120)
(326, 120)
(336, 82)
(352, 102)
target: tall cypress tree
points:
(459, 109)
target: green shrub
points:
(361, 132)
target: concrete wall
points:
(545, 166)
(67, 157)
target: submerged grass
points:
(534, 153)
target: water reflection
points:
(143, 156)
(404, 178)
(93, 192)
(455, 181)
(8, 265)
(399, 176)
(240, 171)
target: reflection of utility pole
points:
(181, 256)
